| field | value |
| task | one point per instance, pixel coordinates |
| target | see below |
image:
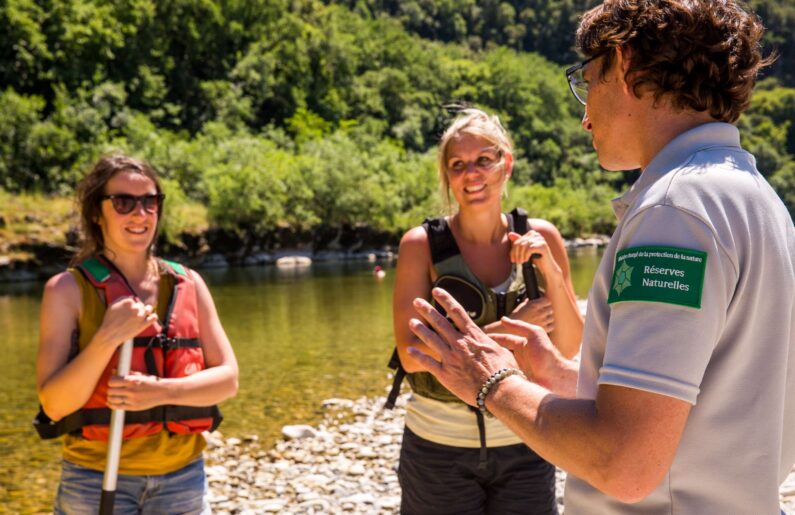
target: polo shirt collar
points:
(676, 153)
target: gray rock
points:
(337, 403)
(259, 258)
(214, 261)
(293, 261)
(298, 432)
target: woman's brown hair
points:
(699, 54)
(89, 201)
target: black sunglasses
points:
(124, 203)
(577, 83)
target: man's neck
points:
(662, 125)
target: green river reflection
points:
(300, 336)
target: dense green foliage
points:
(547, 26)
(301, 112)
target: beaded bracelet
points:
(495, 378)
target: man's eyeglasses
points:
(577, 83)
(124, 203)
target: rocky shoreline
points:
(45, 259)
(347, 464)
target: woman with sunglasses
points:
(453, 459)
(182, 365)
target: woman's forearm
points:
(69, 388)
(568, 321)
(204, 388)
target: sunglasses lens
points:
(151, 203)
(123, 204)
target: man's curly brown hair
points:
(700, 54)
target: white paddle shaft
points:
(116, 424)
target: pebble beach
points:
(345, 464)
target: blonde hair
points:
(474, 122)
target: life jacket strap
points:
(94, 269)
(443, 244)
(175, 267)
(519, 216)
(483, 461)
(48, 429)
(166, 343)
(440, 239)
(400, 373)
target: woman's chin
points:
(481, 198)
(138, 246)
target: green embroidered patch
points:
(659, 274)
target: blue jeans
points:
(180, 492)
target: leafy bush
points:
(295, 113)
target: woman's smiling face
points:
(476, 170)
(132, 232)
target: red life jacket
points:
(169, 350)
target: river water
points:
(300, 336)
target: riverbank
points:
(346, 464)
(36, 260)
(39, 234)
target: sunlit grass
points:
(32, 217)
(38, 218)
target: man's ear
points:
(623, 61)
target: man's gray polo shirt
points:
(706, 254)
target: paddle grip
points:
(106, 502)
(530, 280)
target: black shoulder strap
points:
(440, 239)
(519, 216)
(400, 373)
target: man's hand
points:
(467, 356)
(538, 357)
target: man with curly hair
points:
(684, 399)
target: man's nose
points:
(586, 123)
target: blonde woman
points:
(454, 460)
